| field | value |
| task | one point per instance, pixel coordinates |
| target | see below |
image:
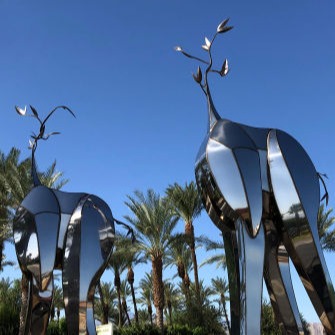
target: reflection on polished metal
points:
(261, 190)
(59, 230)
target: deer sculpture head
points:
(261, 189)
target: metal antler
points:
(41, 135)
(198, 77)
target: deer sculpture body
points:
(262, 191)
(73, 232)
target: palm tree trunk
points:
(130, 277)
(117, 283)
(186, 283)
(24, 304)
(195, 270)
(125, 309)
(189, 231)
(170, 311)
(103, 304)
(158, 290)
(1, 253)
(150, 313)
(134, 302)
(226, 315)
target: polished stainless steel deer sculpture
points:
(262, 191)
(73, 232)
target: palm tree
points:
(325, 222)
(221, 288)
(180, 255)
(154, 223)
(105, 307)
(187, 204)
(57, 301)
(171, 297)
(132, 258)
(118, 264)
(146, 293)
(15, 182)
(125, 291)
(218, 258)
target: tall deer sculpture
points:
(262, 191)
(73, 232)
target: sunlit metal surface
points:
(87, 241)
(299, 215)
(235, 183)
(278, 282)
(261, 190)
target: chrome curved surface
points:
(299, 215)
(277, 278)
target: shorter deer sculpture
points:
(262, 191)
(73, 232)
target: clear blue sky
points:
(140, 116)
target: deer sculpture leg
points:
(298, 203)
(88, 247)
(35, 234)
(277, 278)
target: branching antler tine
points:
(178, 48)
(58, 107)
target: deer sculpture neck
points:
(34, 174)
(213, 115)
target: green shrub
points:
(9, 319)
(55, 328)
(139, 330)
(179, 330)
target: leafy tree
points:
(105, 307)
(187, 204)
(172, 295)
(154, 222)
(146, 293)
(268, 324)
(15, 182)
(125, 292)
(180, 256)
(118, 264)
(10, 301)
(219, 258)
(132, 257)
(326, 229)
(221, 288)
(57, 302)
